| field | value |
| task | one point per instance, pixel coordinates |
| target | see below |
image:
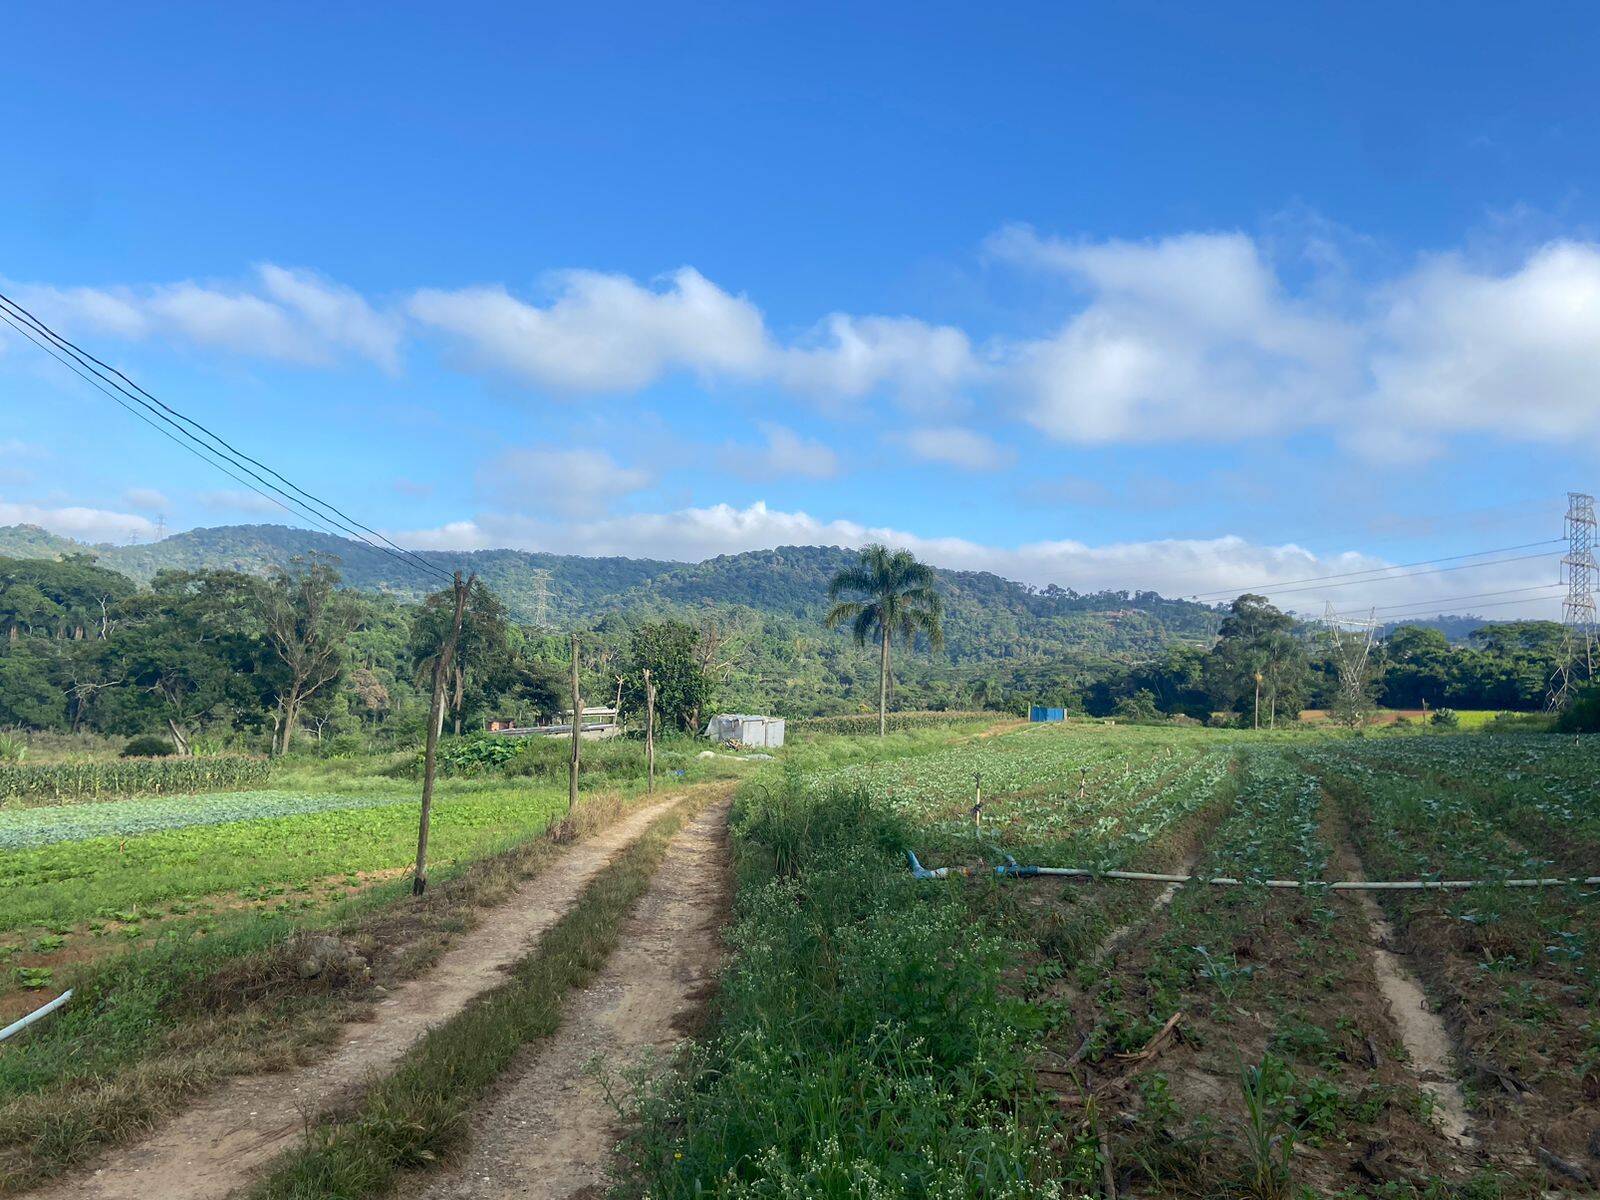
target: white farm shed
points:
(744, 729)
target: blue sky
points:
(1151, 295)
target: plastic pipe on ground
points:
(22, 1023)
(1013, 868)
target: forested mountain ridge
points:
(988, 618)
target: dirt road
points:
(215, 1146)
(548, 1131)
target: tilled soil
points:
(216, 1145)
(549, 1130)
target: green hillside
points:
(988, 617)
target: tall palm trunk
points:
(883, 685)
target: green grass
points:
(419, 1114)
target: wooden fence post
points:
(441, 667)
(577, 733)
(649, 731)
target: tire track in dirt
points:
(549, 1131)
(214, 1146)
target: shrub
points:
(1583, 714)
(12, 748)
(1446, 718)
(147, 746)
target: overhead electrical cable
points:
(1272, 587)
(305, 504)
(96, 381)
(1431, 608)
(1538, 587)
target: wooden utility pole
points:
(649, 731)
(441, 668)
(577, 733)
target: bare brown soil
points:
(1161, 1054)
(215, 1145)
(550, 1129)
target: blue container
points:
(1039, 713)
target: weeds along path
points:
(214, 1146)
(550, 1129)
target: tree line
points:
(268, 661)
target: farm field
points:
(979, 1035)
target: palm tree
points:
(896, 595)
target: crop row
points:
(1517, 971)
(48, 783)
(25, 829)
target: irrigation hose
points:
(1012, 868)
(22, 1023)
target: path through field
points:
(548, 1132)
(215, 1146)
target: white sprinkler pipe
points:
(43, 1010)
(1011, 867)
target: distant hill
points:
(988, 618)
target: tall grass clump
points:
(862, 1046)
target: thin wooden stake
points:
(577, 732)
(441, 667)
(649, 731)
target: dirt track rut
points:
(548, 1132)
(215, 1146)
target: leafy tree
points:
(189, 649)
(683, 689)
(1258, 657)
(483, 657)
(896, 594)
(307, 621)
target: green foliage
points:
(863, 1048)
(684, 690)
(1582, 715)
(147, 746)
(57, 782)
(1257, 653)
(894, 594)
(1446, 718)
(472, 755)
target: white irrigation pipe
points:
(1011, 867)
(22, 1023)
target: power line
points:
(221, 448)
(1538, 587)
(237, 455)
(308, 508)
(1275, 587)
(1427, 608)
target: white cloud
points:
(924, 366)
(85, 524)
(17, 448)
(1516, 353)
(291, 315)
(786, 453)
(565, 482)
(146, 499)
(1214, 568)
(602, 332)
(1186, 337)
(954, 446)
(609, 333)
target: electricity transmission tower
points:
(1350, 640)
(1577, 610)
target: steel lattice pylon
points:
(1577, 610)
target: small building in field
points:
(1040, 712)
(746, 729)
(597, 721)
